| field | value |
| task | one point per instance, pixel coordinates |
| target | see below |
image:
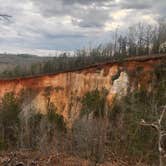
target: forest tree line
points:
(140, 40)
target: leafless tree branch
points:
(161, 133)
(162, 114)
(143, 123)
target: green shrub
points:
(10, 109)
(94, 102)
(116, 76)
(2, 145)
(55, 119)
(9, 119)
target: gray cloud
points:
(85, 2)
(95, 13)
(141, 4)
(91, 18)
(84, 13)
(153, 6)
(157, 9)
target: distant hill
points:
(9, 61)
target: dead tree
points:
(157, 125)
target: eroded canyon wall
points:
(66, 89)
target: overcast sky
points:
(47, 25)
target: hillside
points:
(10, 61)
(68, 86)
(89, 112)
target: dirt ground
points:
(32, 158)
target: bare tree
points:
(157, 125)
(115, 40)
